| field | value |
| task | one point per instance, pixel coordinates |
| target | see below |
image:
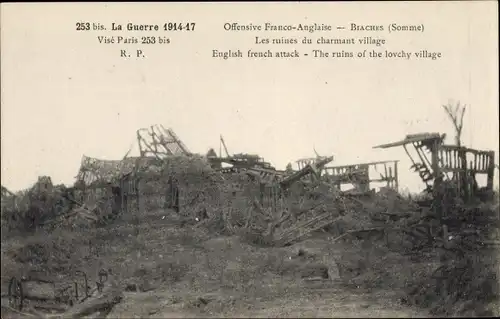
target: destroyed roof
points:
(158, 141)
(93, 169)
(412, 138)
(155, 144)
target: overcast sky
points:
(65, 95)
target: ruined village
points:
(172, 233)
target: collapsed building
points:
(247, 191)
(243, 189)
(121, 183)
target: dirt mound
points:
(47, 253)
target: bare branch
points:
(462, 116)
(456, 114)
(457, 107)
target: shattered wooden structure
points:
(298, 203)
(303, 162)
(6, 192)
(113, 185)
(251, 165)
(358, 175)
(36, 291)
(273, 189)
(118, 185)
(284, 209)
(95, 171)
(312, 169)
(457, 165)
(241, 160)
(299, 219)
(237, 161)
(8, 197)
(159, 142)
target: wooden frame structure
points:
(122, 178)
(359, 174)
(116, 179)
(157, 141)
(303, 162)
(436, 162)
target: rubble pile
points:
(198, 183)
(234, 205)
(459, 252)
(382, 230)
(466, 282)
(33, 208)
(385, 230)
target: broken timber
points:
(436, 162)
(300, 230)
(359, 175)
(313, 169)
(157, 141)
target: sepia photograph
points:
(250, 159)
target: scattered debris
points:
(277, 208)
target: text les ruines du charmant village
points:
(323, 40)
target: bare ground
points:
(169, 271)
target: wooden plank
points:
(361, 164)
(412, 138)
(396, 177)
(301, 229)
(304, 229)
(459, 170)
